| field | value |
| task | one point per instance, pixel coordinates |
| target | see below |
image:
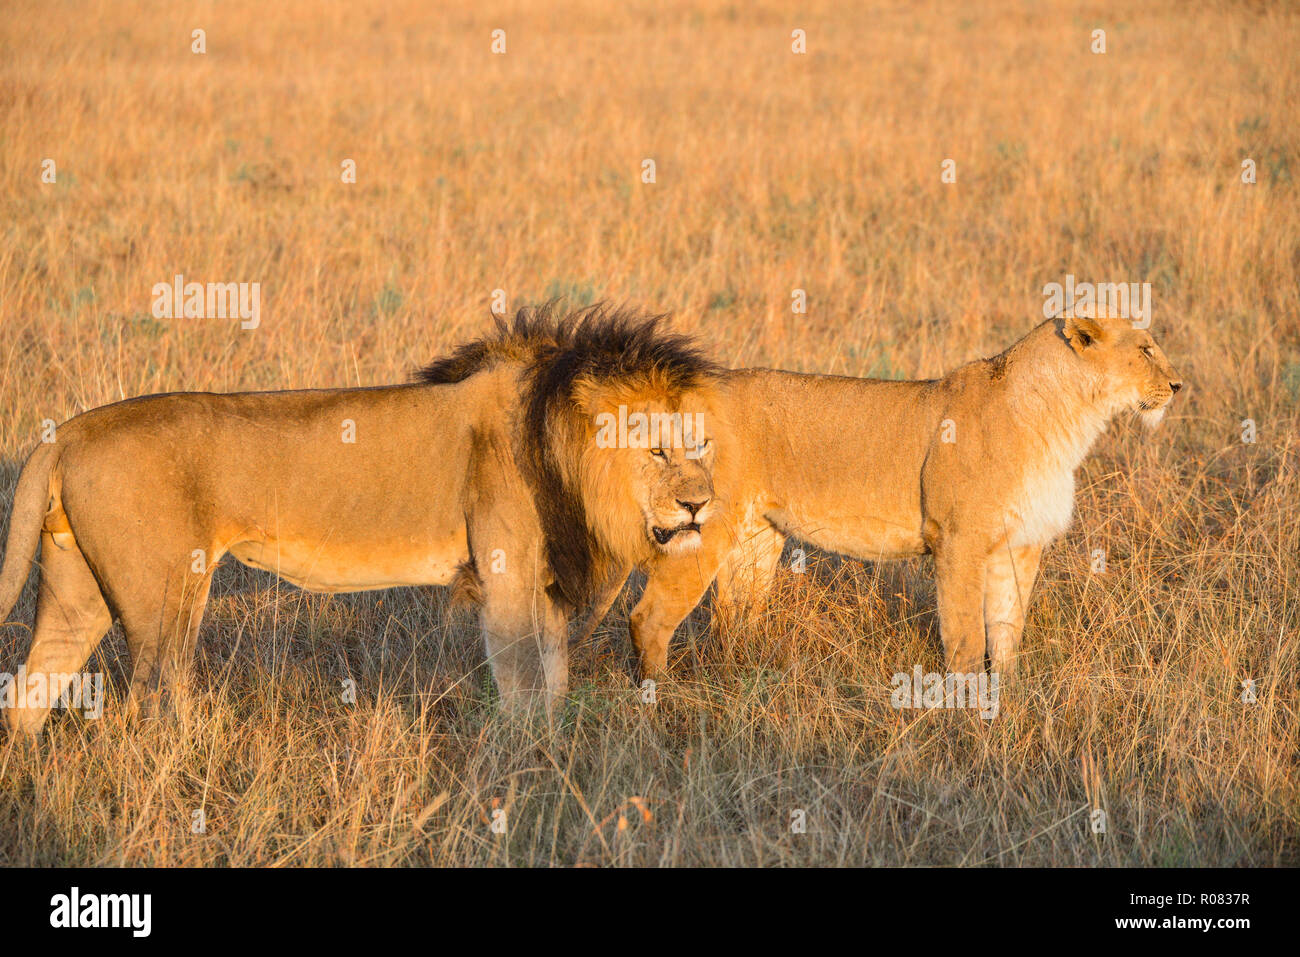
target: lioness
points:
(134, 503)
(976, 468)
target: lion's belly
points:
(340, 567)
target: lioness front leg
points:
(1009, 578)
(959, 581)
(524, 630)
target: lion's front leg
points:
(525, 638)
(674, 587)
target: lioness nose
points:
(692, 507)
(1175, 386)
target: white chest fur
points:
(1041, 510)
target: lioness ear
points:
(1082, 332)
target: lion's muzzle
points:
(665, 535)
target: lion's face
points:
(656, 455)
(1134, 372)
(676, 485)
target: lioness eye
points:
(659, 454)
(1146, 351)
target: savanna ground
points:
(775, 171)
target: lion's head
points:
(617, 435)
(1127, 369)
(648, 451)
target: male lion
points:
(483, 462)
(976, 468)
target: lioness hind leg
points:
(745, 579)
(71, 618)
(1008, 582)
(959, 581)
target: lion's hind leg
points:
(71, 618)
(162, 629)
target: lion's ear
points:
(591, 398)
(1082, 332)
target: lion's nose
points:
(1175, 386)
(692, 507)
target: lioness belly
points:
(338, 567)
(863, 537)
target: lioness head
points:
(1127, 368)
(652, 455)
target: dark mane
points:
(599, 342)
(531, 332)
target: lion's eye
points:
(659, 454)
(1146, 351)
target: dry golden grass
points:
(775, 172)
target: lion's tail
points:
(467, 586)
(30, 503)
